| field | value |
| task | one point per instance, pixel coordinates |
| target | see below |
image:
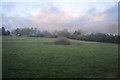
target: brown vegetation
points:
(62, 40)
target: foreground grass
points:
(27, 57)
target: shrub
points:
(62, 40)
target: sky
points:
(87, 15)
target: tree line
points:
(76, 35)
(4, 32)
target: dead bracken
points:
(62, 40)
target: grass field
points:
(27, 57)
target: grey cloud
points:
(112, 14)
(7, 6)
(108, 25)
(50, 8)
(13, 22)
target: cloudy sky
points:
(87, 15)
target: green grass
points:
(27, 57)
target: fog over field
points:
(89, 16)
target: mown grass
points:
(27, 57)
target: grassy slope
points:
(38, 57)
